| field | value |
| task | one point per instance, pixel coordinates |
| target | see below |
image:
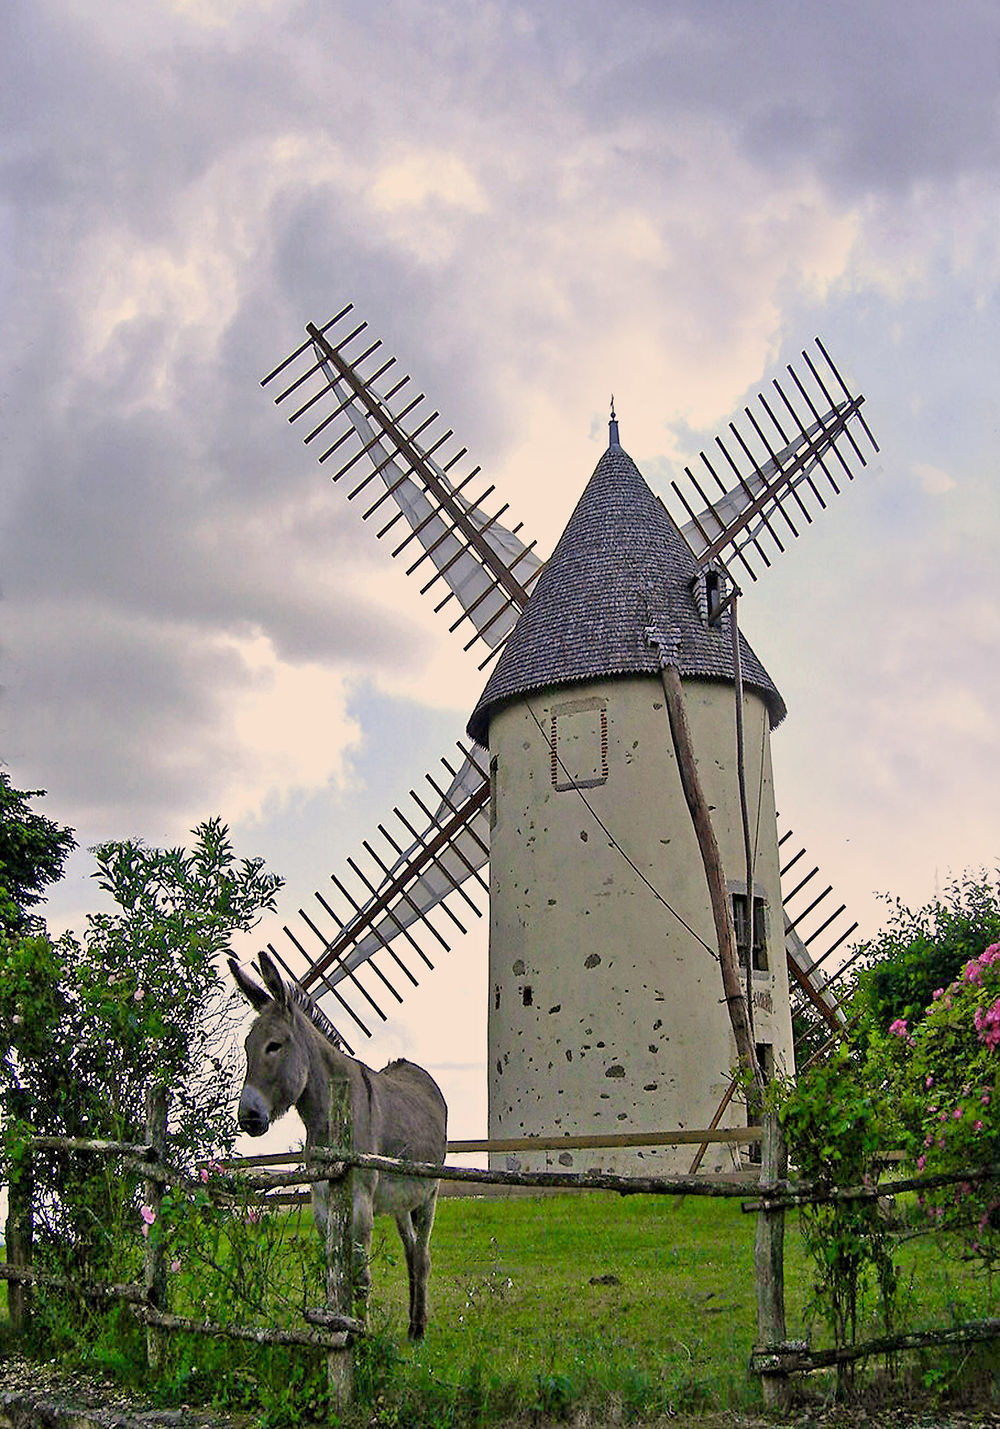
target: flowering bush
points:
(835, 1128)
(231, 1257)
(942, 1077)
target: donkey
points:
(292, 1056)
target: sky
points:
(533, 206)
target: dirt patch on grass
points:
(46, 1396)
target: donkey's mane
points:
(318, 1019)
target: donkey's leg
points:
(404, 1224)
(362, 1220)
(422, 1217)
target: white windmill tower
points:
(605, 1014)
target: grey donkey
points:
(292, 1056)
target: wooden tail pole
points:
(711, 858)
(155, 1269)
(340, 1249)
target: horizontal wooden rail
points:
(748, 1134)
(264, 1335)
(680, 1137)
(140, 1149)
(574, 1180)
(336, 1327)
(796, 1354)
(29, 1275)
(784, 1195)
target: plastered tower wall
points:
(606, 1014)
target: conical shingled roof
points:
(620, 566)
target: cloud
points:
(933, 480)
(533, 207)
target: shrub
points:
(919, 951)
(836, 1131)
(941, 1076)
(88, 1024)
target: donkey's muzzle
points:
(254, 1115)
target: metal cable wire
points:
(618, 847)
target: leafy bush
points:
(942, 1079)
(836, 1127)
(89, 1024)
(921, 950)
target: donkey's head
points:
(276, 1048)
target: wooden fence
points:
(334, 1326)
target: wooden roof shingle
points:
(620, 566)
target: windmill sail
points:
(787, 459)
(439, 862)
(486, 567)
(809, 920)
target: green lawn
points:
(550, 1306)
(644, 1302)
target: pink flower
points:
(957, 1114)
(938, 992)
(203, 1173)
(988, 1025)
(138, 995)
(921, 1162)
(985, 1098)
(977, 1126)
(898, 1028)
(148, 1217)
(930, 1080)
(175, 1265)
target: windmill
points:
(604, 1009)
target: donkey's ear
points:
(252, 991)
(272, 980)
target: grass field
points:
(631, 1308)
(642, 1306)
(639, 1300)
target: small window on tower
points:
(578, 744)
(751, 931)
(493, 791)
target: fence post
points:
(19, 1232)
(339, 1246)
(155, 1271)
(769, 1261)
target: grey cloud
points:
(869, 97)
(140, 523)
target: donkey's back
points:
(409, 1121)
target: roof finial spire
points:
(613, 425)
